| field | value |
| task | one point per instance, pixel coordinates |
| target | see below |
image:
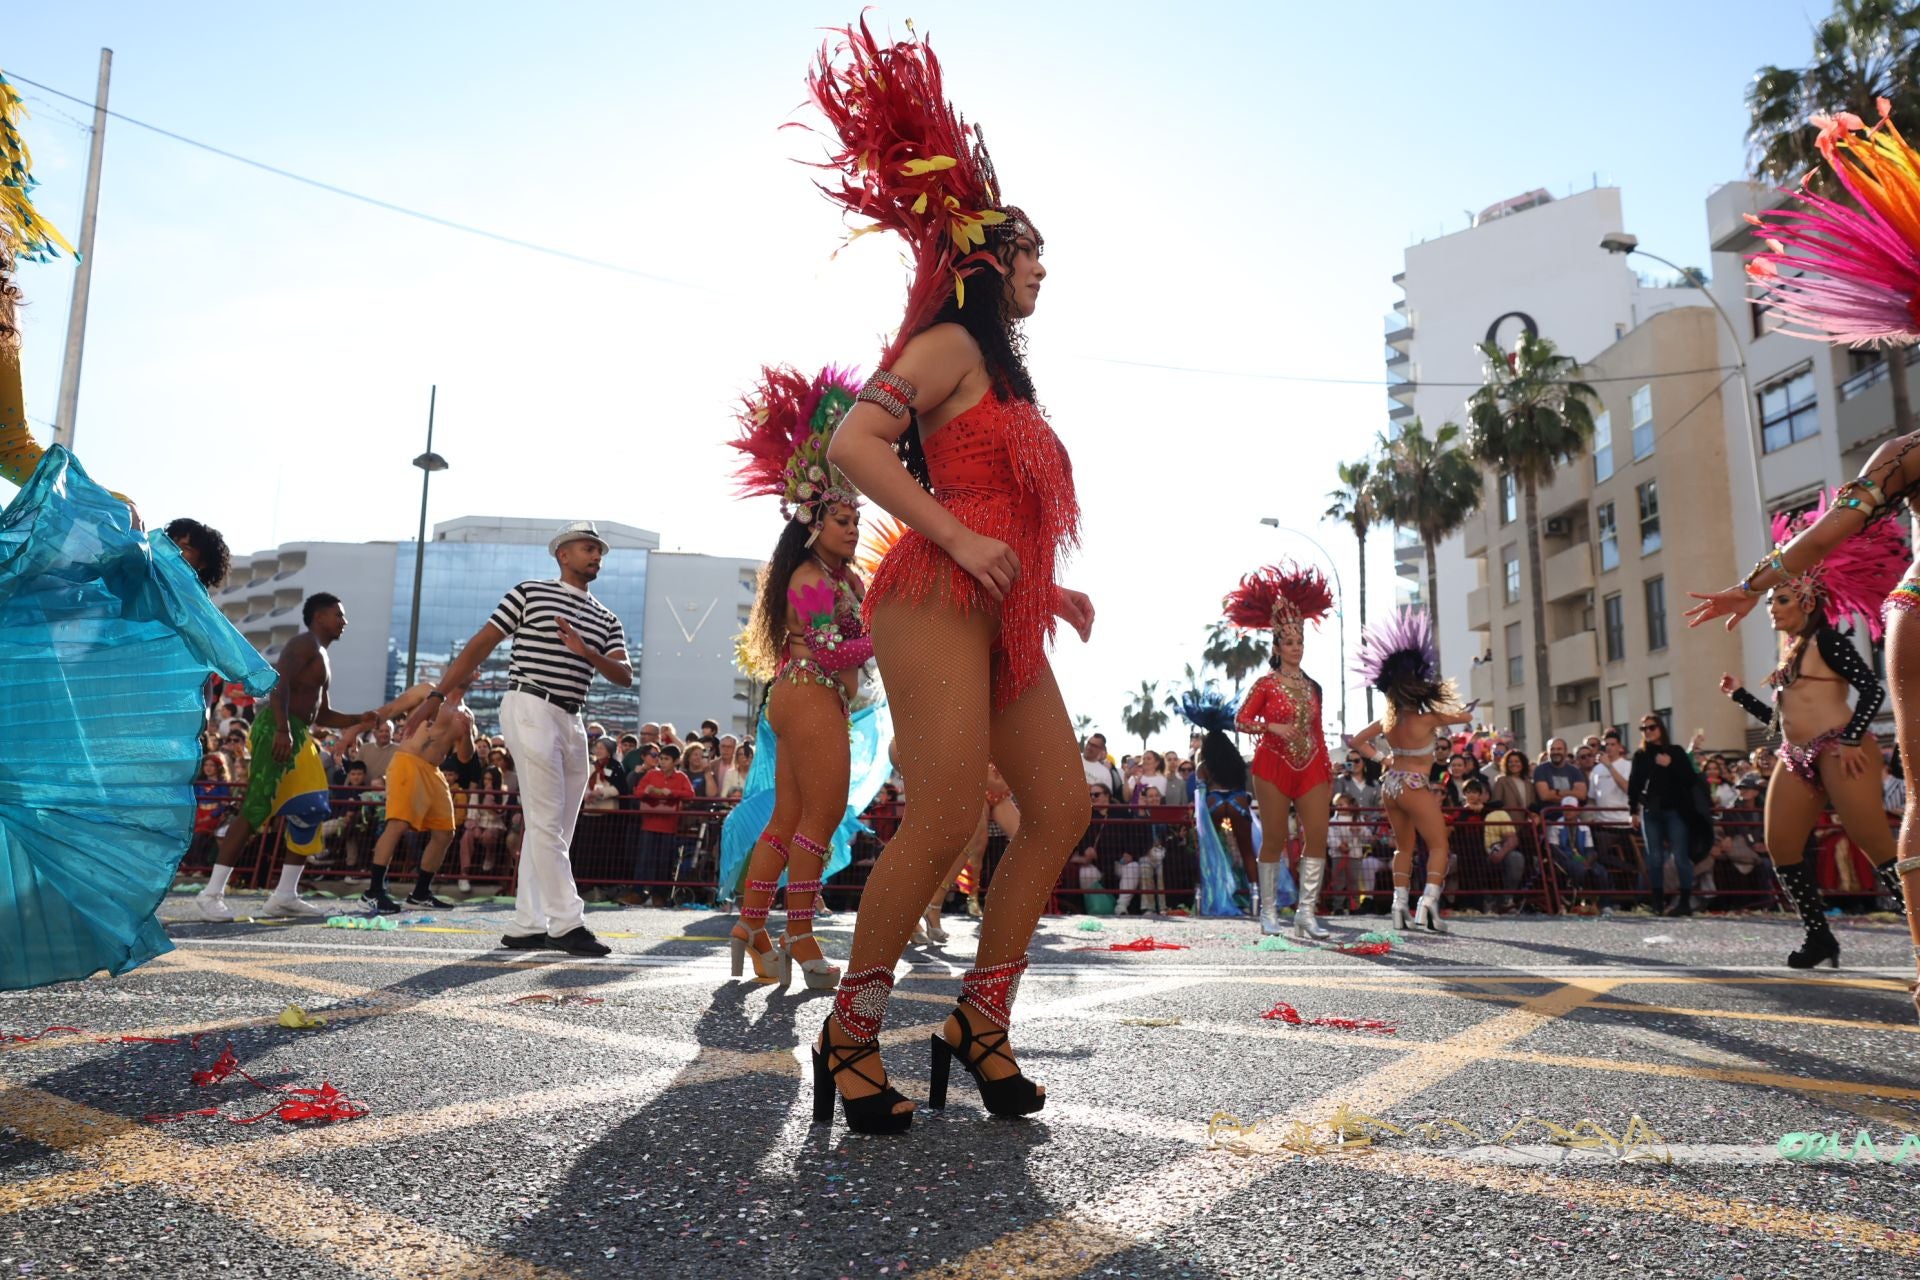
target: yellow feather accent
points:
(920, 168)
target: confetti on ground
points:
(1381, 935)
(1365, 948)
(1275, 943)
(296, 1106)
(1149, 1022)
(361, 922)
(294, 1018)
(551, 997)
(1284, 1012)
(1138, 944)
(192, 1042)
(1091, 926)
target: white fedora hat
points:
(578, 531)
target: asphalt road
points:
(648, 1117)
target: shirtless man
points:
(287, 778)
(418, 798)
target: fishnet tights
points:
(809, 797)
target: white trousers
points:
(549, 749)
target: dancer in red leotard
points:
(961, 610)
(1291, 771)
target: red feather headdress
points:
(785, 426)
(1279, 595)
(911, 163)
(1856, 576)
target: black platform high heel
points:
(859, 1007)
(991, 992)
(1821, 947)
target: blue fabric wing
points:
(106, 639)
(871, 732)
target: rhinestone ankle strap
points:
(1905, 865)
(806, 887)
(992, 990)
(861, 1002)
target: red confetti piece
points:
(1365, 949)
(1284, 1012)
(299, 1104)
(1138, 944)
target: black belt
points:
(572, 706)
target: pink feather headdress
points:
(1842, 273)
(1856, 576)
(785, 426)
(1279, 595)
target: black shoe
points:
(380, 904)
(874, 1113)
(1013, 1095)
(580, 941)
(528, 942)
(428, 902)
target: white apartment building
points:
(1531, 260)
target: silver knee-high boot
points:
(1270, 899)
(1313, 872)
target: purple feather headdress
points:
(1856, 576)
(1400, 658)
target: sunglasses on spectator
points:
(1097, 793)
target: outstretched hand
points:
(1075, 609)
(1732, 604)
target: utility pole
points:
(69, 402)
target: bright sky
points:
(1226, 191)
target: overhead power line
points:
(388, 205)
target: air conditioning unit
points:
(1558, 527)
(1567, 696)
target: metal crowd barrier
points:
(1518, 861)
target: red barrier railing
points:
(1529, 860)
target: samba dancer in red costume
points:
(962, 608)
(806, 637)
(1291, 771)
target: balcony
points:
(1480, 683)
(1473, 538)
(1570, 573)
(1479, 616)
(1574, 659)
(1399, 329)
(1865, 412)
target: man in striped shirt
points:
(562, 636)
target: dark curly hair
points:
(996, 331)
(315, 603)
(216, 562)
(1226, 767)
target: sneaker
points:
(428, 901)
(380, 904)
(580, 941)
(291, 904)
(213, 906)
(527, 942)
(466, 886)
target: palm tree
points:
(1234, 652)
(1429, 486)
(1143, 717)
(1355, 505)
(1531, 415)
(1863, 51)
(1082, 726)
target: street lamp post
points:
(428, 462)
(1339, 612)
(1622, 243)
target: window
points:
(1660, 688)
(1509, 500)
(1649, 496)
(1603, 448)
(1603, 523)
(1510, 573)
(1789, 411)
(1642, 423)
(1516, 660)
(1593, 710)
(1517, 721)
(1618, 708)
(1616, 627)
(1656, 589)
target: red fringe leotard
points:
(1295, 759)
(1002, 472)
